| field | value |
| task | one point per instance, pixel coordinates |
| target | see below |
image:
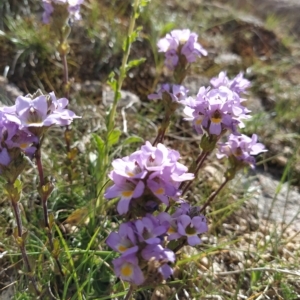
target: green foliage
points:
(288, 291)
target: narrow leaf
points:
(113, 137)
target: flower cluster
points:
(143, 180)
(23, 124)
(174, 92)
(70, 8)
(180, 45)
(239, 149)
(144, 239)
(150, 176)
(218, 108)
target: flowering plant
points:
(144, 198)
(150, 181)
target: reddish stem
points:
(21, 244)
(213, 195)
(38, 158)
(199, 163)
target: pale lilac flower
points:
(4, 157)
(177, 93)
(73, 7)
(238, 84)
(29, 113)
(191, 228)
(166, 271)
(153, 159)
(149, 230)
(171, 223)
(123, 241)
(58, 107)
(149, 170)
(180, 43)
(183, 209)
(125, 189)
(13, 137)
(241, 148)
(162, 190)
(127, 268)
(217, 109)
(176, 224)
(161, 254)
(128, 168)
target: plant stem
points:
(214, 194)
(63, 57)
(199, 163)
(21, 244)
(162, 130)
(112, 112)
(129, 293)
(44, 196)
(122, 75)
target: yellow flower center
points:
(217, 117)
(171, 230)
(122, 248)
(23, 145)
(126, 270)
(159, 191)
(127, 193)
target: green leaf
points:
(126, 43)
(134, 63)
(113, 137)
(167, 28)
(112, 81)
(100, 144)
(18, 185)
(132, 139)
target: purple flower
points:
(218, 109)
(123, 241)
(125, 189)
(36, 113)
(176, 92)
(127, 268)
(161, 254)
(12, 136)
(162, 190)
(171, 223)
(241, 148)
(128, 168)
(4, 157)
(73, 8)
(149, 229)
(179, 43)
(191, 228)
(238, 84)
(150, 170)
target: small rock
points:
(204, 261)
(127, 98)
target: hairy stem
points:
(63, 57)
(213, 195)
(198, 164)
(129, 293)
(162, 130)
(112, 112)
(21, 244)
(123, 68)
(44, 197)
